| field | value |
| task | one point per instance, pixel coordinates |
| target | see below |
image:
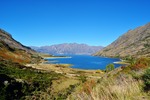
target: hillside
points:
(68, 48)
(60, 82)
(22, 81)
(10, 49)
(131, 82)
(134, 43)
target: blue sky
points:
(94, 22)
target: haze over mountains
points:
(68, 48)
(134, 43)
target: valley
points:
(26, 74)
(75, 50)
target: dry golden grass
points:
(62, 84)
(112, 88)
(67, 71)
(17, 57)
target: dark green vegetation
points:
(110, 67)
(146, 79)
(18, 82)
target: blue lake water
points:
(85, 61)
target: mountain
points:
(68, 48)
(134, 43)
(10, 49)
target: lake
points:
(85, 61)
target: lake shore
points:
(66, 70)
(83, 61)
(53, 57)
(123, 62)
(48, 56)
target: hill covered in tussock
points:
(10, 49)
(124, 83)
(134, 43)
(58, 82)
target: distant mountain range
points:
(133, 43)
(68, 48)
(10, 49)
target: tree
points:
(110, 67)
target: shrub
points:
(110, 67)
(146, 79)
(141, 63)
(83, 78)
(17, 81)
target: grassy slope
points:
(17, 55)
(124, 83)
(20, 82)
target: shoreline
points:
(66, 69)
(53, 57)
(48, 56)
(121, 62)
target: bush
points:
(146, 79)
(110, 67)
(141, 63)
(17, 81)
(83, 78)
(11, 89)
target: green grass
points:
(22, 81)
(18, 82)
